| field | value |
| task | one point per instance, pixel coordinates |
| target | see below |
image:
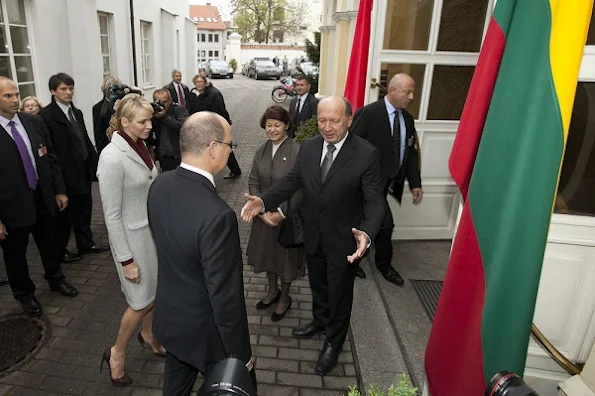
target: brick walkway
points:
(81, 328)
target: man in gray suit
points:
(200, 313)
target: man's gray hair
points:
(174, 71)
(199, 130)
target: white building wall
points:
(207, 46)
(64, 37)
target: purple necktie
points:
(25, 156)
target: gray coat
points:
(124, 181)
(264, 252)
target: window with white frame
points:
(216, 37)
(106, 43)
(146, 50)
(216, 54)
(16, 61)
(210, 38)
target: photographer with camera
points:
(167, 122)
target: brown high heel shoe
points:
(124, 380)
(142, 342)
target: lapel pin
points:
(284, 159)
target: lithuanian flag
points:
(506, 161)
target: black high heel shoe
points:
(275, 317)
(263, 305)
(142, 342)
(124, 380)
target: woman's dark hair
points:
(275, 112)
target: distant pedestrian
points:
(276, 61)
(285, 65)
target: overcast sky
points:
(223, 5)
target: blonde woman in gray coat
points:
(125, 173)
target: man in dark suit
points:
(101, 114)
(78, 161)
(166, 125)
(342, 210)
(177, 90)
(32, 192)
(391, 129)
(303, 106)
(200, 313)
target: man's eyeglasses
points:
(231, 145)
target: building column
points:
(324, 60)
(342, 48)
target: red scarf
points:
(140, 148)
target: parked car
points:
(218, 68)
(308, 68)
(245, 68)
(264, 69)
(202, 65)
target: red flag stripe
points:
(454, 349)
(356, 82)
(466, 144)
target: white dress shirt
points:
(390, 109)
(302, 99)
(21, 130)
(199, 171)
(64, 108)
(338, 146)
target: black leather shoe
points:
(275, 317)
(94, 249)
(307, 330)
(232, 175)
(70, 257)
(327, 360)
(263, 305)
(391, 275)
(65, 288)
(359, 272)
(31, 306)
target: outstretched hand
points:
(252, 208)
(362, 242)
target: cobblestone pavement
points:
(81, 328)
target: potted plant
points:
(307, 130)
(234, 64)
(403, 388)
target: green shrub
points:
(234, 64)
(403, 388)
(307, 130)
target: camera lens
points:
(506, 383)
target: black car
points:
(264, 69)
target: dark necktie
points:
(25, 156)
(79, 133)
(297, 108)
(328, 161)
(181, 99)
(396, 144)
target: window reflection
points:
(408, 24)
(576, 190)
(461, 25)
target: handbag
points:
(291, 231)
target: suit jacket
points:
(372, 123)
(210, 100)
(174, 95)
(100, 126)
(77, 172)
(17, 201)
(351, 196)
(200, 313)
(309, 109)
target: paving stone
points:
(301, 380)
(70, 386)
(22, 378)
(278, 341)
(343, 383)
(277, 364)
(274, 390)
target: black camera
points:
(118, 91)
(157, 106)
(506, 383)
(229, 377)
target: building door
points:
(437, 42)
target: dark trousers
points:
(232, 164)
(169, 163)
(383, 242)
(332, 296)
(15, 249)
(77, 216)
(179, 377)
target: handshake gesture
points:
(255, 206)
